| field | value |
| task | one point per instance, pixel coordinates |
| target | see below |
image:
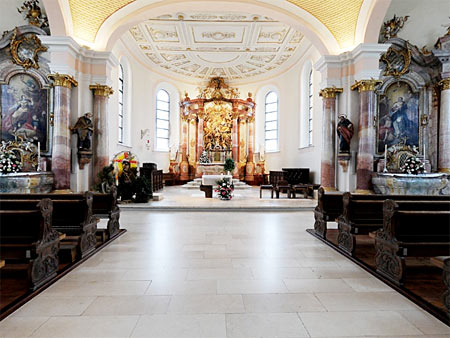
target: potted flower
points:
(229, 165)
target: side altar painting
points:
(398, 119)
(24, 111)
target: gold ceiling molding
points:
(339, 16)
(88, 15)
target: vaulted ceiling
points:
(338, 16)
(200, 45)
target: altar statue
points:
(345, 132)
(84, 129)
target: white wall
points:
(10, 16)
(426, 17)
(146, 83)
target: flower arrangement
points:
(224, 189)
(9, 162)
(413, 165)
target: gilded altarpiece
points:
(213, 115)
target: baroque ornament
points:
(397, 61)
(25, 50)
(392, 27)
(33, 13)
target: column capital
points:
(445, 83)
(330, 92)
(366, 85)
(101, 90)
(63, 80)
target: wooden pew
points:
(72, 215)
(103, 205)
(106, 206)
(29, 242)
(410, 233)
(329, 207)
(443, 262)
(362, 214)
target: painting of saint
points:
(398, 117)
(24, 111)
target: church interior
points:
(213, 168)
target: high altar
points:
(219, 125)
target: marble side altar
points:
(26, 182)
(405, 184)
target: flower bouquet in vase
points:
(224, 189)
(413, 165)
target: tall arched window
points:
(121, 117)
(310, 109)
(271, 122)
(162, 120)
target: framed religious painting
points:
(24, 107)
(398, 116)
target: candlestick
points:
(39, 157)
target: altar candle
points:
(385, 157)
(39, 157)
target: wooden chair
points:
(282, 187)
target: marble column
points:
(250, 167)
(100, 144)
(200, 140)
(61, 133)
(366, 134)
(235, 142)
(184, 165)
(444, 127)
(328, 160)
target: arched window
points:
(162, 120)
(121, 110)
(271, 122)
(310, 109)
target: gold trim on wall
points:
(63, 80)
(330, 92)
(101, 90)
(444, 84)
(366, 85)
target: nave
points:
(215, 274)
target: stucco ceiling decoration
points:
(203, 45)
(339, 16)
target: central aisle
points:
(218, 274)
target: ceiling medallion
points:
(24, 51)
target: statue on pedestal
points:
(84, 128)
(345, 132)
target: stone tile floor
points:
(181, 198)
(219, 274)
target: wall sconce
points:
(145, 135)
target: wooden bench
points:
(362, 214)
(103, 205)
(329, 207)
(29, 242)
(72, 215)
(410, 233)
(443, 262)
